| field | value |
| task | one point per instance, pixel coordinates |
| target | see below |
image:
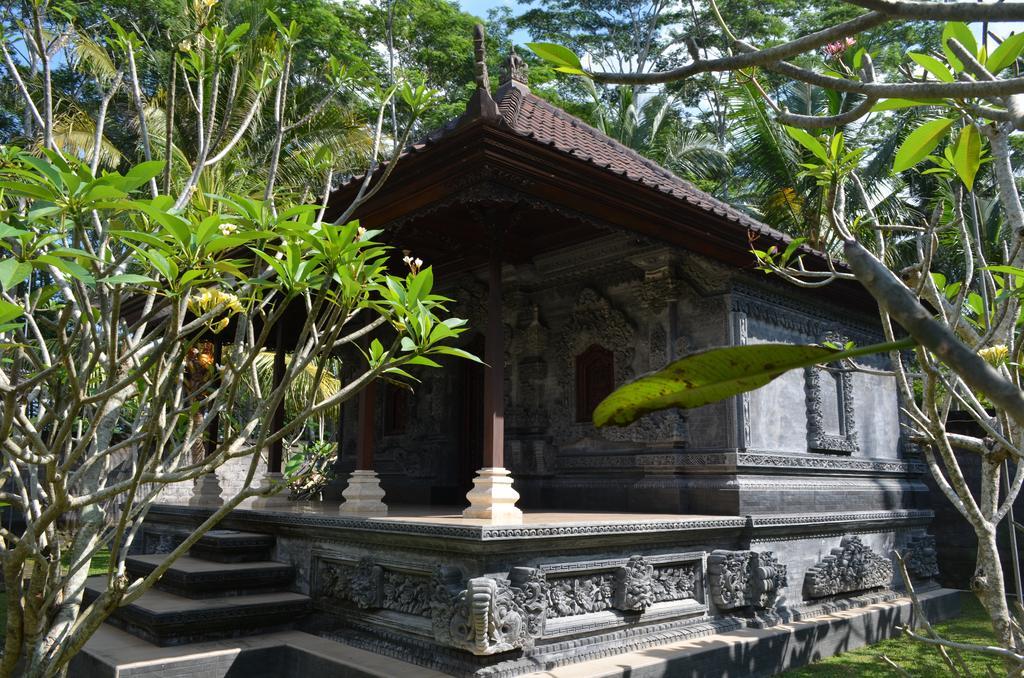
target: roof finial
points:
(481, 104)
(514, 70)
(483, 81)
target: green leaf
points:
(805, 139)
(127, 279)
(967, 155)
(142, 173)
(9, 311)
(716, 374)
(933, 66)
(458, 352)
(556, 54)
(920, 143)
(1006, 53)
(705, 377)
(13, 272)
(894, 104)
(962, 33)
(8, 231)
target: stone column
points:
(364, 496)
(492, 497)
(274, 476)
(207, 490)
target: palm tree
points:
(655, 129)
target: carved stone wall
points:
(741, 579)
(492, 614)
(851, 567)
(921, 557)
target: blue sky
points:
(480, 7)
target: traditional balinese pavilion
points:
(579, 265)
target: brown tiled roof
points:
(534, 118)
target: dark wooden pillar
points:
(494, 377)
(367, 415)
(277, 447)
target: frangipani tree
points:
(112, 283)
(964, 320)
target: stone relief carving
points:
(584, 594)
(676, 582)
(359, 584)
(490, 615)
(921, 557)
(851, 567)
(818, 438)
(403, 593)
(370, 586)
(634, 588)
(745, 579)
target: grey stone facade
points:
(812, 440)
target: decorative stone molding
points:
(843, 441)
(745, 579)
(489, 615)
(921, 557)
(369, 586)
(851, 567)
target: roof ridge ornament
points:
(481, 103)
(514, 70)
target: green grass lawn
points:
(916, 658)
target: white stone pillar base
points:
(363, 496)
(206, 491)
(492, 498)
(279, 499)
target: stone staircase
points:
(227, 586)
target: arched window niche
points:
(595, 379)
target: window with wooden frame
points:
(595, 379)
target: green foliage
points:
(716, 374)
(920, 143)
(705, 377)
(310, 469)
(917, 659)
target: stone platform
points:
(469, 598)
(290, 654)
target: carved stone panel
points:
(675, 582)
(370, 586)
(851, 567)
(921, 557)
(745, 579)
(582, 594)
(634, 588)
(488, 615)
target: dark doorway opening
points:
(469, 428)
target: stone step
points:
(163, 618)
(232, 546)
(196, 578)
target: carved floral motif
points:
(584, 594)
(677, 582)
(851, 567)
(745, 579)
(922, 558)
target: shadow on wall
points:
(763, 652)
(957, 545)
